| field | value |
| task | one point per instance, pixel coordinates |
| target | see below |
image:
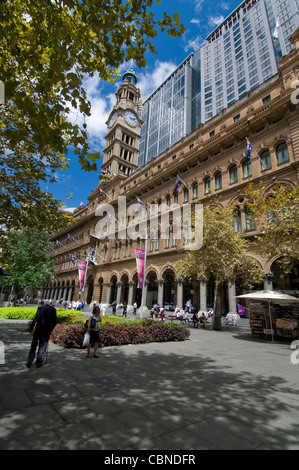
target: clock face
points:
(112, 120)
(131, 118)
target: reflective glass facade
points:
(242, 53)
(238, 56)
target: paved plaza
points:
(218, 390)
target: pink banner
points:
(140, 266)
(82, 272)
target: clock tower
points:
(122, 139)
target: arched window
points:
(218, 180)
(265, 160)
(233, 174)
(237, 220)
(282, 153)
(195, 190)
(246, 167)
(207, 183)
(186, 195)
(249, 219)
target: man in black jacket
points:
(45, 320)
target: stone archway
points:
(113, 289)
(137, 293)
(169, 294)
(124, 295)
(90, 284)
(101, 285)
(152, 289)
(288, 283)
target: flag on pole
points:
(249, 151)
(57, 244)
(82, 204)
(275, 34)
(177, 185)
(68, 238)
(140, 202)
(73, 259)
(140, 255)
(101, 192)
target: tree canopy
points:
(26, 256)
(47, 47)
(276, 214)
(223, 255)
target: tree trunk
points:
(214, 306)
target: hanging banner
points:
(82, 272)
(140, 266)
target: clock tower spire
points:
(122, 138)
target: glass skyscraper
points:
(244, 51)
(238, 56)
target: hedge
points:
(70, 335)
(28, 313)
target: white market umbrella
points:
(269, 296)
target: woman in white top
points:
(94, 331)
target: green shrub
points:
(28, 313)
(115, 333)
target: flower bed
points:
(71, 335)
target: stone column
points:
(232, 304)
(180, 293)
(118, 292)
(160, 291)
(64, 294)
(107, 287)
(203, 295)
(145, 294)
(130, 296)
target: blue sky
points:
(199, 17)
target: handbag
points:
(92, 323)
(86, 339)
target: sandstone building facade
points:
(211, 161)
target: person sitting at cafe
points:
(153, 313)
(195, 320)
(203, 319)
(179, 315)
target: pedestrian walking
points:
(134, 308)
(43, 324)
(125, 310)
(94, 331)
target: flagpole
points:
(82, 291)
(142, 297)
(184, 183)
(262, 163)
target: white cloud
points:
(152, 79)
(194, 44)
(216, 20)
(198, 5)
